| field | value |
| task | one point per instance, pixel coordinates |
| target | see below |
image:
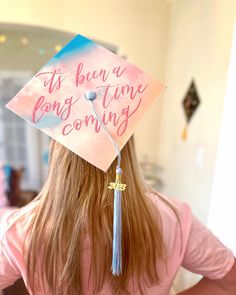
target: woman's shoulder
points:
(14, 224)
(171, 209)
(175, 219)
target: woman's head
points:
(71, 165)
(75, 204)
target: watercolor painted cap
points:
(57, 100)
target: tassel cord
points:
(109, 135)
(116, 267)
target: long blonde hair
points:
(75, 203)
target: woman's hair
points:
(75, 212)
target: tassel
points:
(185, 133)
(117, 233)
(116, 267)
(118, 187)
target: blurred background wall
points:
(199, 45)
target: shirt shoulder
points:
(15, 221)
(201, 251)
(176, 223)
(14, 225)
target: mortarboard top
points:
(54, 100)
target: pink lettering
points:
(126, 111)
(112, 92)
(36, 107)
(94, 75)
(62, 110)
(120, 121)
(55, 79)
(118, 72)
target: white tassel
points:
(118, 187)
(117, 235)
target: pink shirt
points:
(199, 250)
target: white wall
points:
(199, 47)
(222, 217)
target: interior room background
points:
(176, 41)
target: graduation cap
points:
(91, 101)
